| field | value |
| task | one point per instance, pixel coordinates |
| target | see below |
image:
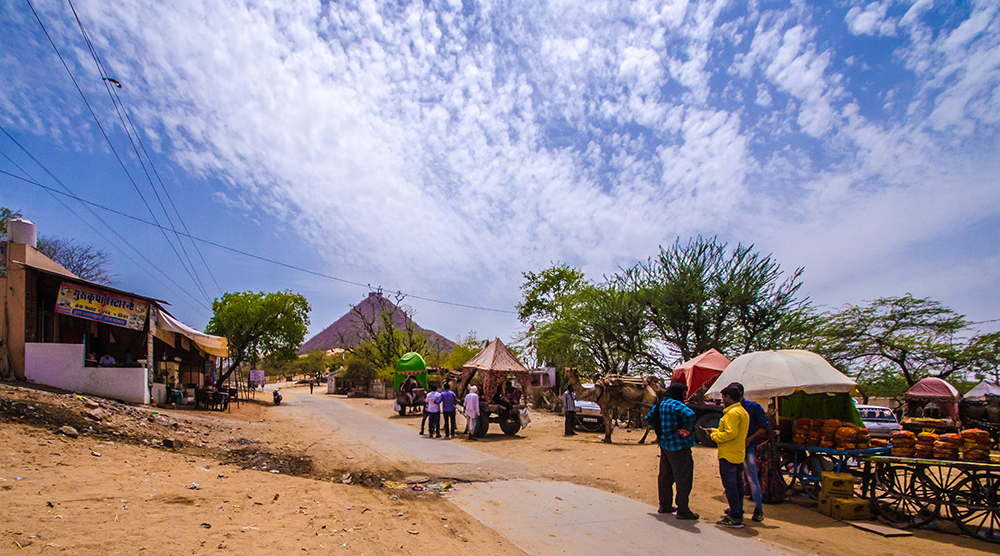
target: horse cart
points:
(913, 492)
(494, 364)
(410, 383)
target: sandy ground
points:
(140, 497)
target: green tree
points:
(700, 296)
(547, 297)
(257, 324)
(5, 215)
(466, 349)
(387, 332)
(359, 371)
(905, 336)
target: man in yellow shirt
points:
(731, 436)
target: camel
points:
(624, 394)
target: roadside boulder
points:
(68, 431)
(173, 443)
(91, 403)
(96, 414)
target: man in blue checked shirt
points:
(674, 423)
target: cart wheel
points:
(708, 421)
(510, 424)
(976, 506)
(482, 425)
(815, 465)
(937, 482)
(900, 496)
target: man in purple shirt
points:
(448, 410)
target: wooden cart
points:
(912, 492)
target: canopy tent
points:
(932, 390)
(410, 364)
(765, 374)
(213, 345)
(701, 370)
(983, 389)
(495, 361)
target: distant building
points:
(55, 328)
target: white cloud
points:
(871, 20)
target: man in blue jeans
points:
(448, 410)
(759, 431)
(731, 437)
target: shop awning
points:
(213, 345)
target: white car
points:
(880, 421)
(588, 416)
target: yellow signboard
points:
(102, 306)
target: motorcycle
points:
(277, 398)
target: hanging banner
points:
(101, 306)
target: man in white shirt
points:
(107, 361)
(471, 405)
(434, 413)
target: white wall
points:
(61, 365)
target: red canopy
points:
(933, 389)
(701, 370)
(938, 391)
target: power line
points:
(117, 102)
(258, 257)
(70, 194)
(111, 145)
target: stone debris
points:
(68, 431)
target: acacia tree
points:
(698, 296)
(386, 331)
(258, 324)
(906, 336)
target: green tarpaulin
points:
(411, 361)
(820, 406)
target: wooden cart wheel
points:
(976, 506)
(936, 482)
(899, 498)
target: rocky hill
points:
(345, 331)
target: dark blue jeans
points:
(732, 483)
(433, 423)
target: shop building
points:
(62, 331)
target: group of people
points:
(441, 401)
(744, 426)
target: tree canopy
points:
(387, 333)
(259, 324)
(690, 298)
(908, 337)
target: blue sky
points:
(442, 148)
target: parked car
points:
(588, 416)
(880, 421)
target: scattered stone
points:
(95, 454)
(68, 431)
(206, 525)
(173, 443)
(91, 403)
(96, 414)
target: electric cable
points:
(131, 130)
(258, 257)
(110, 144)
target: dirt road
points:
(138, 495)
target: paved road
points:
(539, 517)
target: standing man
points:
(448, 399)
(673, 423)
(758, 432)
(434, 413)
(731, 436)
(471, 405)
(311, 383)
(569, 408)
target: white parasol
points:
(765, 374)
